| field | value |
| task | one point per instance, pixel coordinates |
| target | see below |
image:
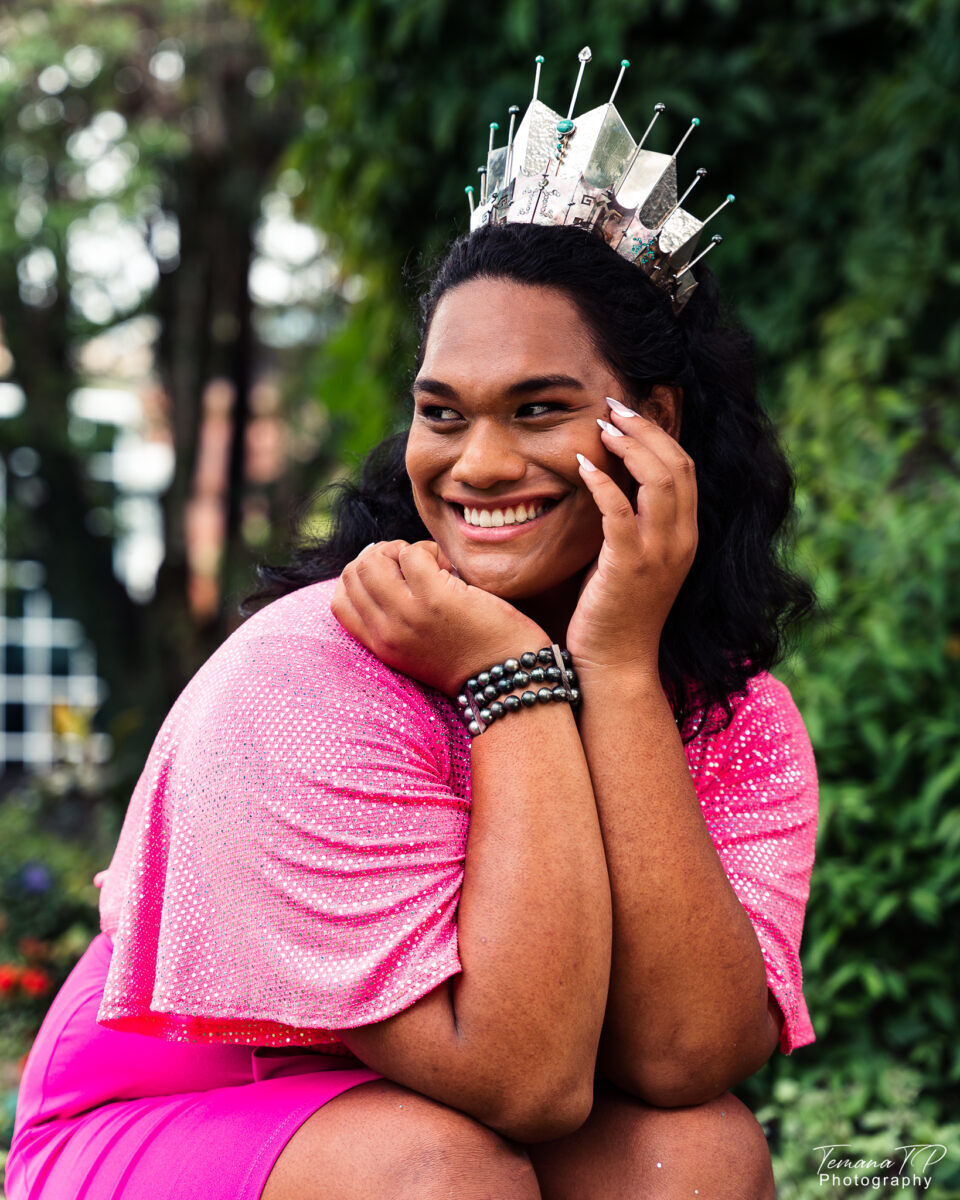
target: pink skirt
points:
(103, 1115)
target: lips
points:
(500, 533)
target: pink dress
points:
(290, 865)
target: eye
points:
(434, 412)
(547, 404)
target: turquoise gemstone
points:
(565, 127)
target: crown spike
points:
(539, 60)
(482, 172)
(584, 56)
(513, 110)
(657, 110)
(729, 200)
(469, 190)
(692, 126)
(493, 129)
(701, 171)
(624, 63)
(714, 241)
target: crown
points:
(589, 171)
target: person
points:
(352, 948)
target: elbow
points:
(545, 1115)
(677, 1084)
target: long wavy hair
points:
(740, 606)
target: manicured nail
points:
(620, 409)
(585, 462)
(608, 428)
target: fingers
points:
(346, 613)
(374, 582)
(421, 566)
(658, 462)
(619, 519)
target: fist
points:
(400, 600)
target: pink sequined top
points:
(292, 855)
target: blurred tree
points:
(162, 120)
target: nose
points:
(487, 456)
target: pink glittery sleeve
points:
(759, 793)
(292, 857)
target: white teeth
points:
(488, 518)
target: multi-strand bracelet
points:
(479, 697)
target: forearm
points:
(687, 1007)
(534, 917)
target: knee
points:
(457, 1156)
(724, 1142)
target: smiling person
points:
(475, 862)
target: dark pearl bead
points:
(574, 695)
(544, 695)
(521, 678)
(537, 675)
(512, 703)
(505, 685)
(529, 699)
(565, 655)
(486, 715)
(497, 709)
(511, 665)
(529, 659)
(462, 700)
(474, 728)
(483, 678)
(545, 655)
(496, 672)
(559, 693)
(491, 692)
(473, 684)
(553, 674)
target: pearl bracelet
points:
(478, 696)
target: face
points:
(509, 391)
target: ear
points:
(666, 404)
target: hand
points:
(629, 590)
(401, 601)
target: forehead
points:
(501, 326)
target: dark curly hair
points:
(740, 605)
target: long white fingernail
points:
(620, 409)
(611, 429)
(585, 462)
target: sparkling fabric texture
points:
(292, 855)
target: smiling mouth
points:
(517, 517)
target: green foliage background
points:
(834, 123)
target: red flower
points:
(34, 981)
(9, 978)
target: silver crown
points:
(589, 171)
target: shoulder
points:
(766, 738)
(293, 665)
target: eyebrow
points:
(523, 387)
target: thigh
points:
(627, 1149)
(381, 1141)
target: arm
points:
(689, 1014)
(512, 1039)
